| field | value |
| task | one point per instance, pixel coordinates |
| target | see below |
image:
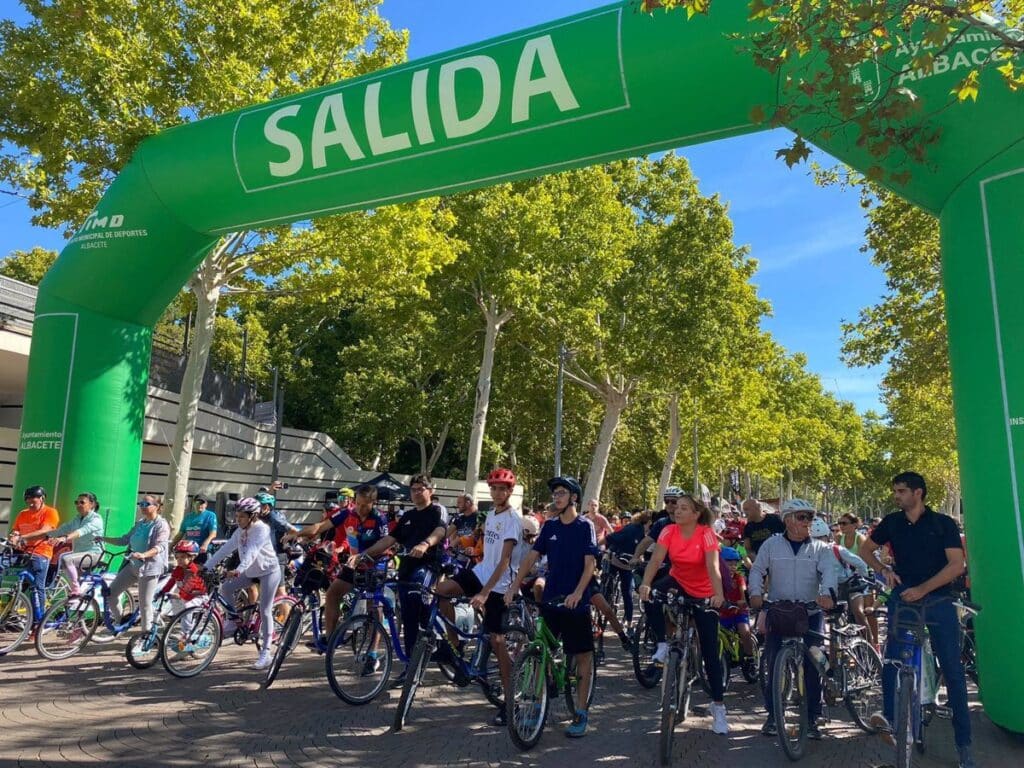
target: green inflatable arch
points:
(601, 85)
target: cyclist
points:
(82, 533)
(257, 560)
(185, 576)
(279, 528)
(929, 557)
(200, 526)
(488, 581)
(691, 547)
(862, 605)
(419, 530)
(571, 548)
(802, 570)
(465, 533)
(624, 542)
(359, 528)
(533, 582)
(737, 618)
(147, 542)
(851, 572)
(29, 532)
(760, 526)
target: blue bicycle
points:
(70, 623)
(16, 585)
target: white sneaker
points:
(660, 653)
(720, 724)
(263, 661)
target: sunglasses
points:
(803, 517)
(146, 504)
(671, 501)
(845, 522)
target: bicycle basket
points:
(787, 619)
(11, 558)
(312, 575)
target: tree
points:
(82, 86)
(28, 266)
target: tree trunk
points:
(493, 322)
(789, 483)
(675, 437)
(746, 484)
(205, 284)
(422, 441)
(615, 402)
(438, 448)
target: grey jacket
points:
(159, 537)
(803, 577)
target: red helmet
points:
(502, 476)
(186, 547)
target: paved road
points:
(95, 709)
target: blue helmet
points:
(729, 554)
(569, 483)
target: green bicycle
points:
(540, 673)
(732, 657)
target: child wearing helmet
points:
(186, 579)
(737, 618)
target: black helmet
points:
(35, 492)
(569, 483)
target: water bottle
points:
(820, 660)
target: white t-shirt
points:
(499, 528)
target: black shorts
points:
(494, 606)
(347, 575)
(848, 590)
(572, 627)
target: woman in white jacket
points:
(257, 560)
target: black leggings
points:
(707, 632)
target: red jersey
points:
(190, 584)
(734, 593)
(687, 556)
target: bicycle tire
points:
(687, 662)
(15, 619)
(285, 643)
(750, 665)
(140, 657)
(670, 682)
(863, 683)
(414, 674)
(725, 659)
(906, 692)
(128, 604)
(646, 672)
(571, 685)
(788, 694)
(75, 620)
(486, 661)
(529, 684)
(356, 637)
(177, 639)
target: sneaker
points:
(578, 727)
(371, 665)
(814, 732)
(880, 724)
(660, 653)
(499, 720)
(263, 661)
(966, 757)
(627, 646)
(769, 728)
(719, 725)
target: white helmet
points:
(820, 528)
(797, 505)
(673, 492)
(530, 525)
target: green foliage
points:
(28, 266)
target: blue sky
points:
(806, 239)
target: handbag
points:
(787, 619)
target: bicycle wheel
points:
(670, 682)
(359, 659)
(863, 683)
(143, 650)
(286, 641)
(413, 676)
(485, 661)
(572, 684)
(191, 641)
(526, 706)
(58, 591)
(689, 663)
(15, 619)
(750, 665)
(647, 673)
(281, 609)
(126, 603)
(725, 660)
(66, 627)
(906, 692)
(789, 702)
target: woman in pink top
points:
(692, 548)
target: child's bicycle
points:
(71, 623)
(146, 648)
(16, 585)
(733, 657)
(541, 672)
(194, 635)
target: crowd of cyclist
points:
(736, 560)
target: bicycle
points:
(454, 664)
(645, 669)
(917, 675)
(16, 615)
(145, 649)
(682, 667)
(731, 648)
(193, 637)
(541, 672)
(68, 625)
(966, 611)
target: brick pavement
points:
(95, 709)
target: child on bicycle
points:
(736, 619)
(185, 576)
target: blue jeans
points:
(944, 633)
(772, 644)
(38, 567)
(410, 601)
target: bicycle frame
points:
(441, 625)
(376, 597)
